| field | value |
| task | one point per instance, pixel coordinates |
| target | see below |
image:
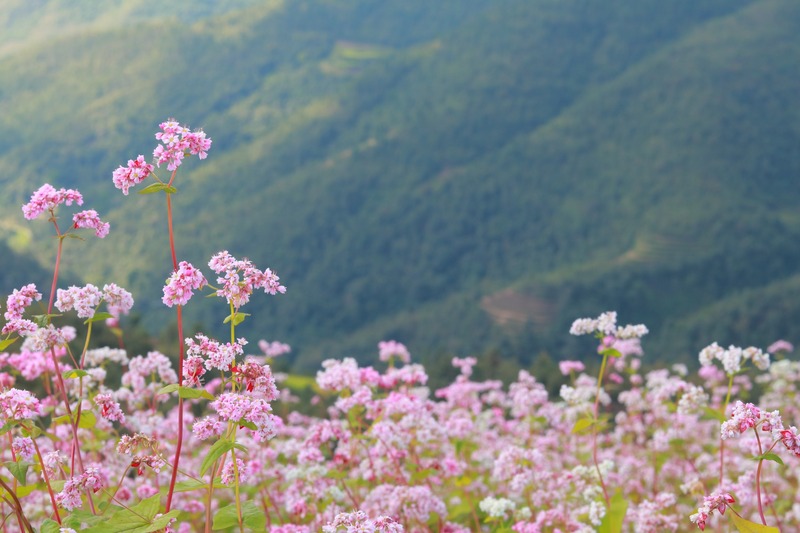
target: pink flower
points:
(274, 348)
(389, 349)
(714, 501)
(180, 286)
(84, 300)
(568, 367)
(135, 173)
(47, 198)
(216, 355)
(16, 404)
(781, 346)
(90, 219)
(229, 473)
(177, 140)
(109, 409)
(23, 447)
(18, 300)
(118, 300)
(207, 428)
(239, 278)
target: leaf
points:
(190, 485)
(168, 389)
(163, 521)
(615, 514)
(18, 469)
(6, 343)
(50, 526)
(238, 318)
(225, 517)
(158, 187)
(74, 373)
(421, 475)
(220, 448)
(98, 316)
(254, 517)
(582, 425)
(88, 420)
(773, 457)
(714, 414)
(191, 393)
(746, 526)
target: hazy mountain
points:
(459, 175)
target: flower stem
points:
(758, 478)
(594, 428)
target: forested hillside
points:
(460, 175)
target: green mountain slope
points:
(459, 175)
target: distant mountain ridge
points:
(460, 175)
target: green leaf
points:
(74, 373)
(421, 475)
(50, 526)
(238, 318)
(158, 187)
(163, 521)
(773, 457)
(98, 316)
(190, 485)
(18, 469)
(191, 393)
(615, 514)
(168, 389)
(247, 424)
(225, 517)
(220, 448)
(253, 516)
(746, 526)
(88, 420)
(582, 425)
(6, 343)
(714, 414)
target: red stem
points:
(758, 478)
(180, 357)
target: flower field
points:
(218, 442)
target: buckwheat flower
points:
(16, 404)
(389, 349)
(780, 346)
(583, 326)
(743, 417)
(216, 355)
(568, 367)
(497, 507)
(193, 370)
(53, 461)
(709, 353)
(70, 496)
(118, 300)
(791, 439)
(90, 219)
(465, 365)
(228, 473)
(177, 140)
(66, 530)
(732, 360)
(596, 513)
(180, 286)
(23, 447)
(759, 358)
(714, 501)
(339, 375)
(47, 198)
(19, 300)
(207, 428)
(692, 400)
(20, 326)
(109, 409)
(45, 338)
(258, 380)
(136, 172)
(84, 300)
(239, 278)
(98, 356)
(631, 331)
(274, 348)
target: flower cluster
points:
(176, 141)
(47, 198)
(214, 355)
(90, 219)
(180, 286)
(389, 349)
(715, 501)
(733, 358)
(136, 172)
(606, 325)
(239, 278)
(16, 303)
